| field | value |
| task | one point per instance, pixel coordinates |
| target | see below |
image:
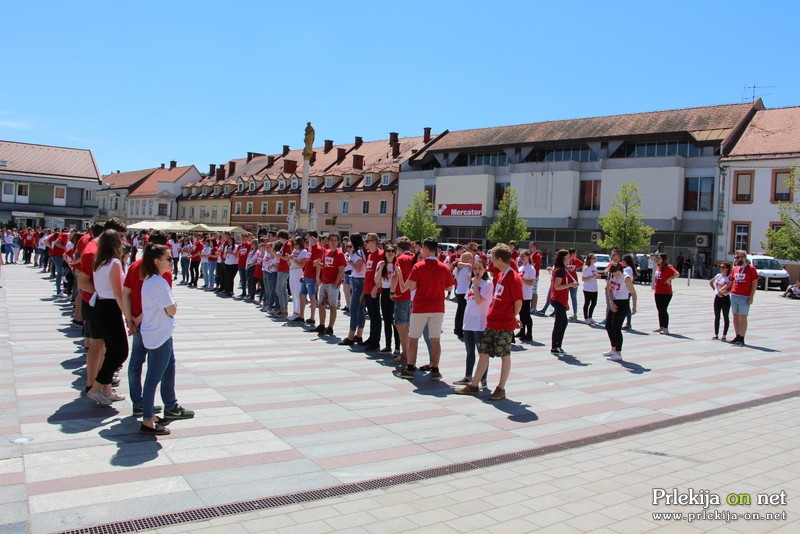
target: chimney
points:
(163, 166)
(231, 168)
(393, 138)
(395, 150)
(340, 154)
(328, 145)
(118, 172)
(212, 169)
(270, 161)
(173, 164)
(313, 158)
(249, 157)
(285, 149)
(220, 173)
(358, 161)
(427, 135)
(289, 166)
(359, 141)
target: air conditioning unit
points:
(597, 236)
(702, 240)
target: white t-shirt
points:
(386, 281)
(157, 326)
(204, 254)
(463, 275)
(358, 272)
(102, 279)
(619, 288)
(269, 263)
(590, 285)
(175, 246)
(720, 281)
(527, 272)
(298, 255)
(231, 255)
(475, 314)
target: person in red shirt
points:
(745, 284)
(372, 292)
(284, 253)
(562, 282)
(401, 298)
(664, 275)
(500, 324)
(311, 273)
(57, 248)
(194, 261)
(330, 274)
(574, 265)
(244, 251)
(431, 279)
(536, 261)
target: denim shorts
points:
(739, 305)
(309, 287)
(402, 312)
(347, 279)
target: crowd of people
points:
(395, 290)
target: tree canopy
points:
(417, 223)
(509, 226)
(623, 226)
(784, 243)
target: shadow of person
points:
(569, 359)
(76, 362)
(82, 415)
(678, 336)
(433, 388)
(517, 411)
(762, 349)
(71, 333)
(133, 449)
(633, 368)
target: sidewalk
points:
(282, 412)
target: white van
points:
(770, 272)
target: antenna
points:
(754, 87)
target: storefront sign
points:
(459, 210)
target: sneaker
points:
(464, 381)
(665, 331)
(435, 374)
(425, 368)
(716, 337)
(178, 412)
(407, 373)
(602, 323)
(347, 342)
(372, 347)
(498, 394)
(734, 341)
(298, 320)
(138, 411)
(114, 397)
(386, 350)
(608, 353)
(396, 352)
(657, 330)
(627, 327)
(723, 338)
(359, 340)
(99, 398)
(319, 330)
(329, 331)
(614, 357)
(740, 343)
(573, 317)
(483, 384)
(157, 430)
(310, 322)
(467, 390)
(553, 314)
(558, 351)
(345, 310)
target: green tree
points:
(624, 226)
(784, 243)
(418, 223)
(509, 226)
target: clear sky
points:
(142, 83)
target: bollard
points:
(691, 274)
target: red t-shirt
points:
(536, 261)
(310, 269)
(283, 265)
(133, 281)
(507, 290)
(56, 250)
(198, 248)
(664, 273)
(515, 257)
(432, 278)
(404, 262)
(244, 251)
(743, 277)
(560, 296)
(87, 265)
(369, 275)
(81, 244)
(334, 259)
(214, 254)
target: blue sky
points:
(142, 83)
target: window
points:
(741, 236)
(365, 207)
(216, 190)
(499, 191)
(8, 191)
(590, 195)
(88, 194)
(328, 182)
(659, 149)
(279, 207)
(240, 187)
(385, 180)
(191, 213)
(347, 181)
(227, 189)
(570, 154)
(238, 209)
(249, 208)
(150, 206)
(776, 226)
(368, 181)
(780, 186)
(310, 206)
(252, 185)
(162, 210)
(22, 193)
(382, 206)
(214, 213)
(743, 186)
(325, 208)
(495, 159)
(431, 190)
(292, 205)
(312, 183)
(698, 194)
(281, 183)
(264, 206)
(224, 214)
(183, 212)
(205, 190)
(294, 183)
(345, 207)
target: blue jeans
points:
(58, 261)
(243, 280)
(185, 270)
(472, 339)
(209, 271)
(573, 295)
(135, 364)
(271, 297)
(160, 368)
(357, 318)
(282, 290)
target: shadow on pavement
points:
(82, 415)
(569, 359)
(133, 449)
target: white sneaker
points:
(658, 330)
(723, 338)
(609, 353)
(99, 398)
(665, 330)
(615, 357)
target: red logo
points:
(459, 210)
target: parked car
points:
(601, 261)
(770, 272)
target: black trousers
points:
(662, 303)
(589, 302)
(461, 305)
(614, 322)
(373, 306)
(387, 311)
(525, 319)
(560, 324)
(722, 306)
(194, 272)
(230, 276)
(108, 325)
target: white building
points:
(567, 172)
(155, 198)
(112, 198)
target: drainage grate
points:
(201, 514)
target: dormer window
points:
(227, 189)
(281, 183)
(205, 190)
(216, 190)
(385, 180)
(328, 182)
(294, 183)
(313, 183)
(252, 185)
(240, 187)
(347, 181)
(368, 181)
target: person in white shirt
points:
(478, 299)
(462, 271)
(527, 274)
(589, 278)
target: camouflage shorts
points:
(496, 343)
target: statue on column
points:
(309, 141)
(292, 220)
(313, 219)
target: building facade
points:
(112, 198)
(156, 198)
(47, 185)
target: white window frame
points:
(383, 207)
(326, 208)
(213, 213)
(150, 206)
(385, 179)
(249, 208)
(279, 207)
(294, 183)
(368, 180)
(88, 194)
(345, 207)
(292, 206)
(238, 209)
(240, 187)
(224, 214)
(216, 190)
(365, 207)
(23, 199)
(183, 212)
(9, 197)
(166, 209)
(191, 213)
(310, 206)
(347, 181)
(252, 185)
(312, 183)
(328, 182)
(264, 208)
(281, 184)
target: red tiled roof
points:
(704, 123)
(121, 180)
(771, 133)
(27, 158)
(150, 186)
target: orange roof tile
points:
(150, 186)
(771, 133)
(28, 158)
(120, 180)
